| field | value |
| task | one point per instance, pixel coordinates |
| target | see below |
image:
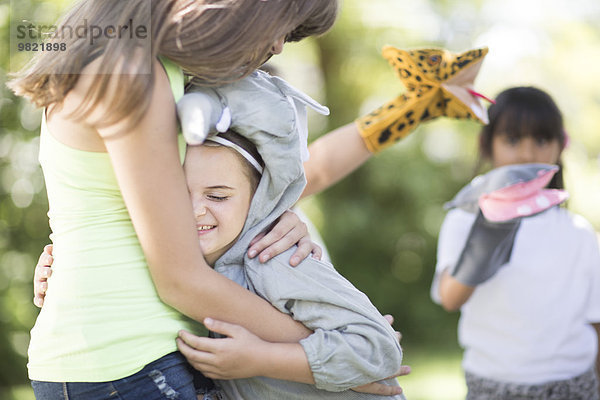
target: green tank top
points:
(102, 318)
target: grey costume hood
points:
(272, 115)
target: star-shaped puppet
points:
(438, 83)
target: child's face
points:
(507, 150)
(221, 195)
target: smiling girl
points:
(222, 177)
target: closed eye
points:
(217, 198)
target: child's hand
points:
(381, 388)
(234, 357)
(287, 232)
(390, 319)
(41, 275)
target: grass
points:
(434, 376)
(23, 392)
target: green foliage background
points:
(380, 224)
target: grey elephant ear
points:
(299, 100)
(290, 91)
(201, 114)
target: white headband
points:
(244, 153)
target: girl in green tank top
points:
(110, 112)
(127, 266)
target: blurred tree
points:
(23, 205)
(381, 223)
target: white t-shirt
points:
(530, 323)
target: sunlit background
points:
(381, 223)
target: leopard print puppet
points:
(438, 83)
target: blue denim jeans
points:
(168, 378)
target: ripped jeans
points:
(168, 378)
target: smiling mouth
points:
(205, 228)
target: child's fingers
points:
(285, 233)
(42, 269)
(224, 328)
(41, 288)
(294, 236)
(317, 252)
(42, 272)
(404, 370)
(46, 258)
(275, 242)
(48, 249)
(389, 318)
(40, 278)
(378, 389)
(38, 301)
(40, 281)
(286, 223)
(201, 360)
(198, 343)
(305, 248)
(251, 251)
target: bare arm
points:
(242, 355)
(147, 167)
(453, 294)
(334, 156)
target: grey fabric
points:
(582, 387)
(352, 344)
(489, 244)
(258, 102)
(199, 115)
(488, 247)
(468, 197)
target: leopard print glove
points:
(438, 83)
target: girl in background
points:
(531, 330)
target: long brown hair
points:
(215, 41)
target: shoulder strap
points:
(175, 75)
(177, 83)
